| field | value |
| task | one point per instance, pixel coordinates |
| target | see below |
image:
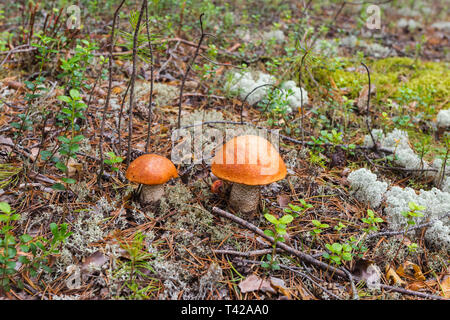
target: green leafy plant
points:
(112, 160)
(70, 144)
(338, 253)
(40, 248)
(297, 210)
(371, 221)
(137, 269)
(319, 227)
(340, 226)
(277, 233)
(275, 105)
(413, 213)
(74, 68)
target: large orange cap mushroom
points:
(151, 169)
(249, 160)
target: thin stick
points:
(150, 100)
(202, 36)
(133, 79)
(248, 94)
(301, 92)
(368, 109)
(108, 96)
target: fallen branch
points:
(310, 260)
(302, 256)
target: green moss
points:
(402, 79)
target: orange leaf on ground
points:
(391, 274)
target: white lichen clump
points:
(443, 119)
(436, 202)
(276, 35)
(243, 84)
(397, 142)
(164, 94)
(375, 50)
(326, 47)
(437, 206)
(366, 187)
(409, 24)
(441, 26)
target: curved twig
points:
(248, 94)
(375, 147)
(189, 66)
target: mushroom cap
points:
(151, 169)
(249, 160)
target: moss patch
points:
(401, 79)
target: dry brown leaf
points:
(391, 274)
(96, 260)
(16, 85)
(402, 271)
(255, 283)
(418, 285)
(279, 285)
(283, 200)
(99, 92)
(445, 284)
(34, 153)
(304, 294)
(74, 167)
(116, 90)
(362, 99)
(5, 142)
(369, 272)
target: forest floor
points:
(72, 226)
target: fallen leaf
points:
(304, 294)
(5, 141)
(15, 85)
(391, 274)
(403, 271)
(279, 285)
(445, 284)
(362, 99)
(34, 153)
(418, 285)
(95, 260)
(283, 200)
(369, 272)
(99, 92)
(74, 167)
(255, 283)
(116, 90)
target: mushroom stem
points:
(151, 193)
(245, 198)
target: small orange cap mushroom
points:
(151, 169)
(249, 160)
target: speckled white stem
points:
(244, 198)
(151, 194)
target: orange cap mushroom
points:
(248, 161)
(152, 171)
